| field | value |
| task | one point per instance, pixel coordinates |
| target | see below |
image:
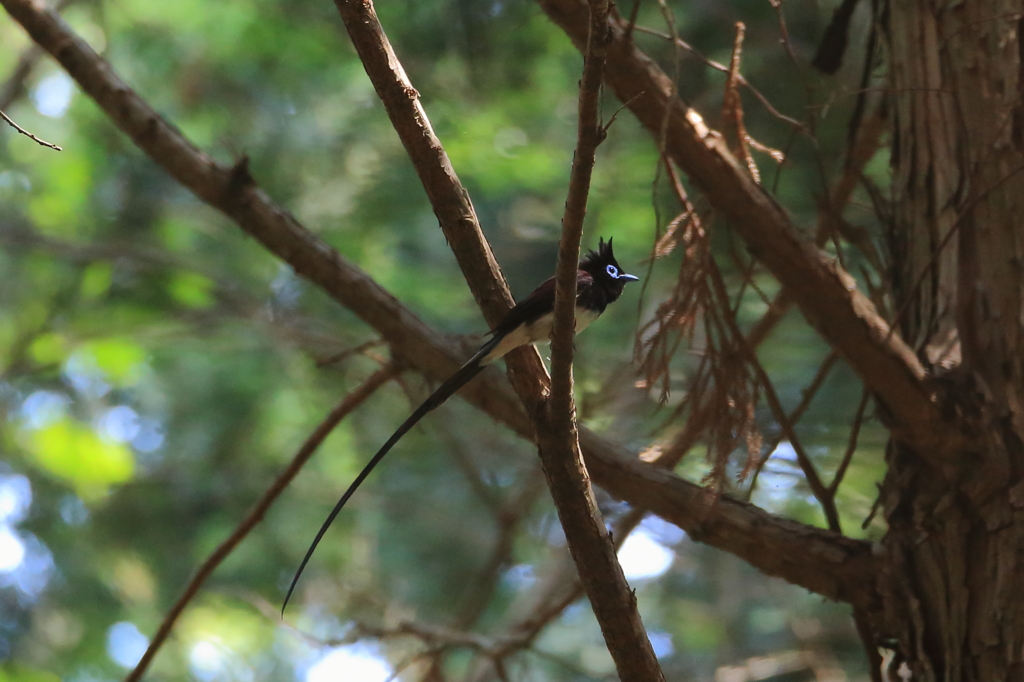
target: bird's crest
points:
(602, 256)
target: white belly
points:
(538, 331)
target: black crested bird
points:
(599, 281)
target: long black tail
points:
(443, 392)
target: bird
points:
(599, 281)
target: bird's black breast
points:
(591, 295)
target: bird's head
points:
(603, 267)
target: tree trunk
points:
(953, 585)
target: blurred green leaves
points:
(191, 289)
(49, 349)
(120, 360)
(221, 622)
(23, 673)
(67, 448)
(55, 207)
(76, 454)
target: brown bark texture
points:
(953, 558)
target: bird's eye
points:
(612, 271)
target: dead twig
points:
(814, 482)
(14, 86)
(349, 352)
(26, 133)
(858, 420)
(732, 106)
(717, 66)
(808, 393)
(343, 409)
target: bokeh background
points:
(158, 368)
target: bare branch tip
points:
(29, 135)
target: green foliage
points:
(76, 453)
(22, 673)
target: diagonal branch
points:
(825, 293)
(817, 559)
(589, 542)
(835, 567)
(28, 134)
(349, 403)
(613, 602)
(448, 197)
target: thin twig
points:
(858, 420)
(14, 87)
(561, 589)
(343, 409)
(349, 352)
(27, 133)
(633, 12)
(808, 393)
(513, 512)
(814, 482)
(717, 66)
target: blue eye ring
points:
(612, 271)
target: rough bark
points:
(953, 555)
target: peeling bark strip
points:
(826, 295)
(953, 570)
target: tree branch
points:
(592, 550)
(343, 409)
(819, 560)
(825, 293)
(614, 604)
(27, 134)
(448, 198)
(835, 567)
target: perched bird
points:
(599, 281)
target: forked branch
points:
(835, 567)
